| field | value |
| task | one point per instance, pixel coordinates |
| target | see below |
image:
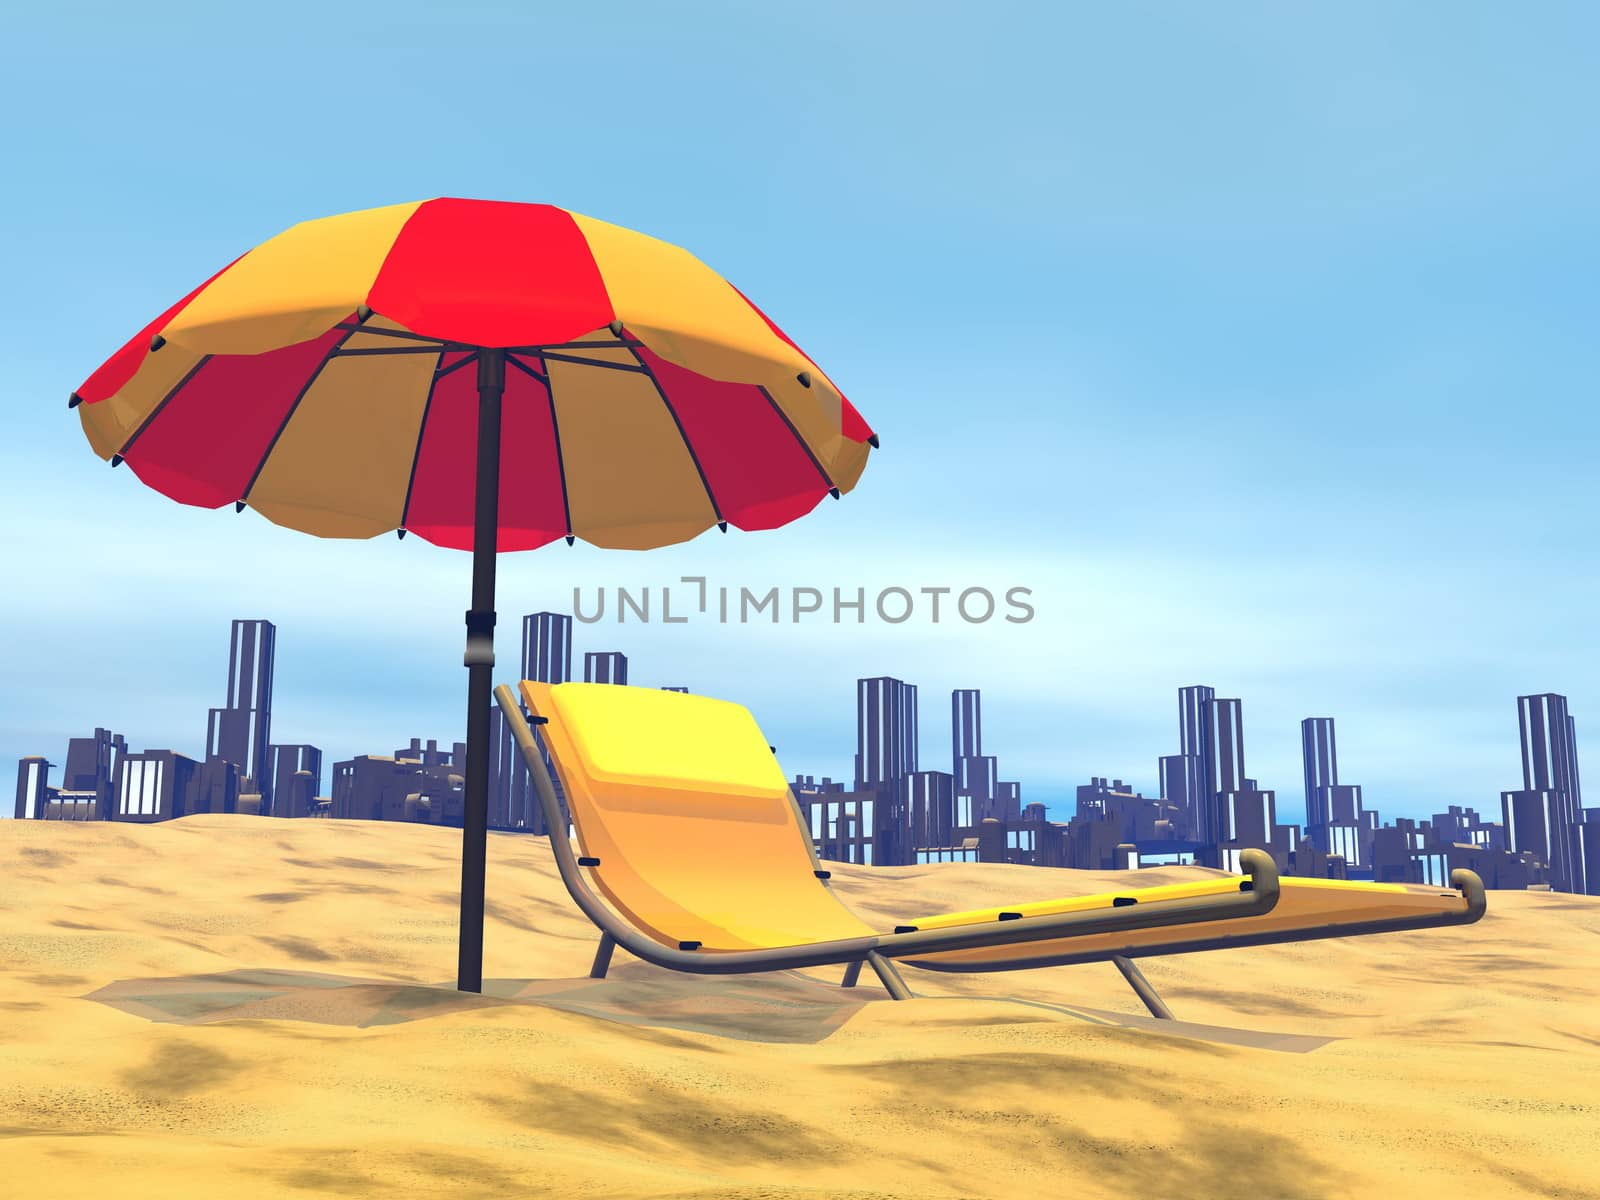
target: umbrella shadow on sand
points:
(780, 1007)
(774, 1007)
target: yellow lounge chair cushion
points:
(681, 800)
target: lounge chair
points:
(692, 854)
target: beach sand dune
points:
(245, 1007)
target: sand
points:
(243, 1007)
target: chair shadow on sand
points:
(775, 1007)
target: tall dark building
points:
(977, 787)
(1319, 756)
(508, 774)
(966, 726)
(33, 788)
(156, 785)
(930, 806)
(416, 784)
(1172, 772)
(1334, 820)
(547, 647)
(1239, 813)
(1589, 841)
(241, 732)
(1225, 770)
(605, 666)
(217, 786)
(886, 732)
(546, 658)
(1197, 746)
(91, 770)
(1546, 815)
(296, 781)
(1008, 800)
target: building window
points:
(150, 802)
(132, 787)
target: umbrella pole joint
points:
(480, 638)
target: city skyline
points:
(551, 643)
(894, 810)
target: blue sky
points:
(1257, 339)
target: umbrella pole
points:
(479, 662)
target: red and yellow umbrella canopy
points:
(326, 379)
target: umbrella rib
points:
(555, 432)
(431, 348)
(294, 407)
(619, 344)
(158, 410)
(526, 369)
(405, 335)
(683, 433)
(441, 372)
(804, 445)
(594, 362)
(447, 344)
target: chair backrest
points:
(682, 801)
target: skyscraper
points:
(1225, 768)
(1320, 760)
(930, 805)
(978, 787)
(241, 732)
(91, 771)
(605, 666)
(546, 658)
(1008, 800)
(1334, 820)
(508, 776)
(1196, 745)
(156, 785)
(547, 647)
(1173, 775)
(966, 726)
(886, 732)
(33, 787)
(1546, 814)
(1237, 812)
(296, 780)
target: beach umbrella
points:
(489, 376)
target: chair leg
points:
(602, 956)
(852, 972)
(1141, 986)
(888, 976)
